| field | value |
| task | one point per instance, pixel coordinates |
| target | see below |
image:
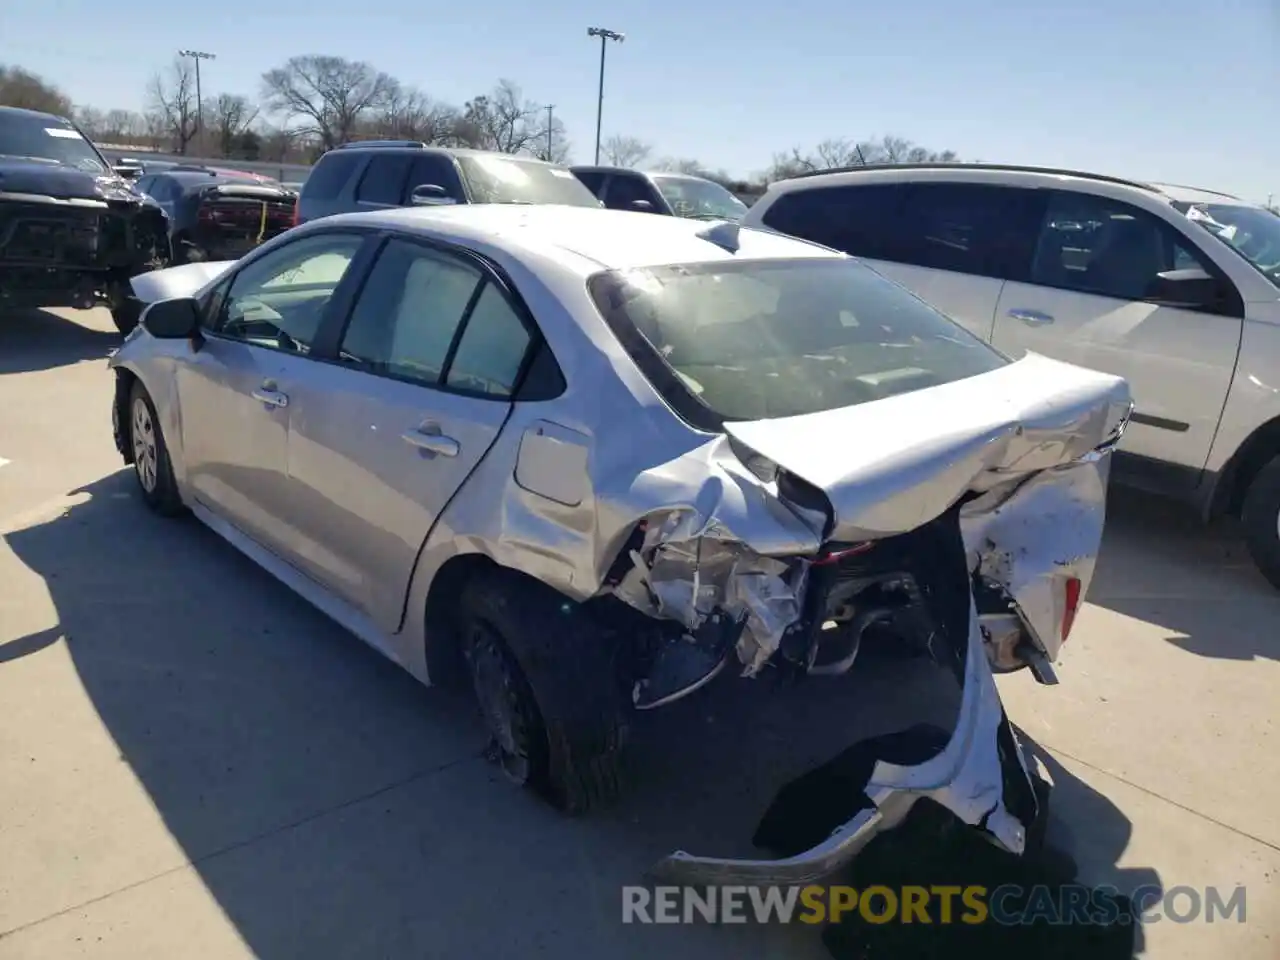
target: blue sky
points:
(1168, 90)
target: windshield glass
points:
(1252, 232)
(511, 180)
(756, 339)
(47, 138)
(690, 197)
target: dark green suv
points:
(376, 174)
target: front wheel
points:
(1261, 518)
(151, 464)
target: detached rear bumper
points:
(980, 775)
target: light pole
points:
(605, 36)
(550, 107)
(197, 56)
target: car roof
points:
(34, 114)
(994, 173)
(588, 239)
(357, 146)
(604, 168)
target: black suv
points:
(375, 174)
(72, 230)
(672, 194)
(218, 214)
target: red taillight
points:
(297, 211)
(1070, 605)
(837, 555)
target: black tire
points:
(125, 314)
(151, 465)
(558, 722)
(1261, 518)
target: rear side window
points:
(968, 228)
(855, 220)
(384, 179)
(592, 179)
(330, 175)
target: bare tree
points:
(229, 116)
(331, 95)
(22, 88)
(620, 151)
(408, 114)
(681, 165)
(92, 121)
(504, 120)
(172, 96)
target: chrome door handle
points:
(432, 442)
(1033, 318)
(267, 393)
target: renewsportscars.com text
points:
(1008, 905)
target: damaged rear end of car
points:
(949, 503)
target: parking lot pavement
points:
(194, 763)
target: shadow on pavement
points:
(1160, 564)
(334, 808)
(33, 340)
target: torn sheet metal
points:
(1034, 541)
(690, 567)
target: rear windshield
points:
(750, 340)
(36, 137)
(512, 180)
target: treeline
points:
(311, 103)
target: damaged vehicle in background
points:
(72, 229)
(593, 459)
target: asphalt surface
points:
(194, 763)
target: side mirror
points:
(640, 206)
(1191, 288)
(430, 195)
(173, 320)
(127, 170)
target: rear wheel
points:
(1261, 518)
(547, 686)
(151, 465)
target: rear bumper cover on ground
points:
(981, 776)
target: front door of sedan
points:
(383, 438)
(235, 392)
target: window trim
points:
(334, 328)
(1232, 305)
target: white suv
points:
(1175, 289)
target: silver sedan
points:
(588, 460)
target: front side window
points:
(593, 180)
(383, 180)
(625, 191)
(775, 338)
(1252, 232)
(48, 139)
(510, 179)
(1104, 247)
(408, 314)
(278, 300)
(699, 199)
